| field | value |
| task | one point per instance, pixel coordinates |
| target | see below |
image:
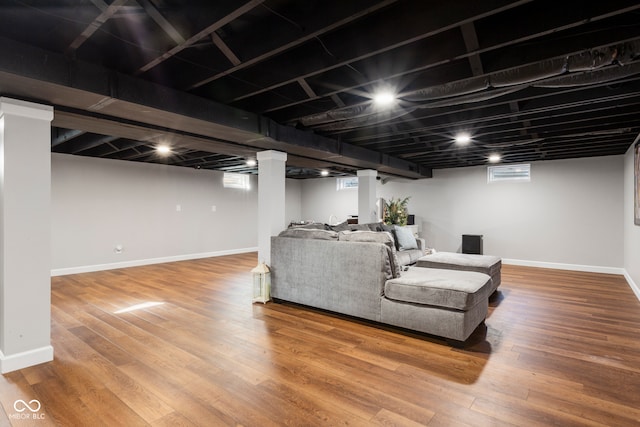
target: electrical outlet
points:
(178, 208)
(213, 208)
(118, 249)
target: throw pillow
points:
(405, 237)
(390, 229)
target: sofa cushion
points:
(453, 289)
(406, 239)
(305, 233)
(374, 237)
(456, 261)
(487, 264)
(409, 256)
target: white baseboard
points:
(25, 359)
(632, 284)
(560, 266)
(141, 262)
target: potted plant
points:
(396, 211)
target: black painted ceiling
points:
(528, 80)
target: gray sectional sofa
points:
(359, 273)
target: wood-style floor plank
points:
(558, 348)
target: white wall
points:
(293, 200)
(99, 203)
(569, 214)
(321, 200)
(631, 231)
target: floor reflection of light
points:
(139, 306)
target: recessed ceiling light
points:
(463, 138)
(251, 162)
(324, 172)
(163, 149)
(384, 99)
(494, 158)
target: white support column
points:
(367, 196)
(271, 200)
(25, 228)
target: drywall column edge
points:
(271, 200)
(25, 234)
(367, 196)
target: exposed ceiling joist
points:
(312, 33)
(472, 45)
(95, 25)
(162, 22)
(200, 35)
(380, 40)
(301, 77)
(63, 135)
(232, 57)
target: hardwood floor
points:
(559, 348)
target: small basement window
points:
(347, 183)
(237, 180)
(501, 173)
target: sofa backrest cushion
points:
(345, 226)
(345, 277)
(310, 226)
(359, 227)
(375, 226)
(305, 233)
(374, 237)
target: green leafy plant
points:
(396, 211)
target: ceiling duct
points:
(339, 114)
(529, 73)
(549, 73)
(461, 87)
(379, 117)
(475, 97)
(599, 133)
(513, 143)
(603, 75)
(590, 60)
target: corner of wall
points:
(634, 287)
(630, 230)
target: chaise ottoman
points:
(487, 264)
(447, 303)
